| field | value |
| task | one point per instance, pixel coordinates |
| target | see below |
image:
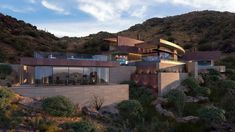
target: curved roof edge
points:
(172, 45)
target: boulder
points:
(160, 100)
(187, 119)
(196, 99)
(164, 112)
(92, 112)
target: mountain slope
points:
(204, 30)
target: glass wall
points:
(45, 75)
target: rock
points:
(203, 99)
(160, 100)
(182, 88)
(187, 119)
(92, 112)
(109, 110)
(196, 99)
(164, 112)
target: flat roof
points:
(202, 55)
(66, 62)
(162, 43)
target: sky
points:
(76, 18)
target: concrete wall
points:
(81, 95)
(121, 73)
(168, 81)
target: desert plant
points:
(177, 97)
(97, 102)
(194, 88)
(82, 126)
(58, 106)
(131, 112)
(6, 97)
(5, 70)
(39, 123)
(212, 114)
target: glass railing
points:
(71, 56)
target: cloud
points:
(53, 7)
(219, 5)
(105, 10)
(79, 29)
(17, 10)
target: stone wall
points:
(168, 81)
(79, 94)
(121, 73)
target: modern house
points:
(156, 63)
(77, 76)
(160, 65)
(205, 60)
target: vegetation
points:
(131, 112)
(82, 126)
(5, 70)
(58, 106)
(195, 88)
(212, 114)
(97, 102)
(178, 99)
(201, 30)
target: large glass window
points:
(43, 75)
(75, 75)
(27, 75)
(61, 75)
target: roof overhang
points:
(66, 62)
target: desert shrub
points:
(58, 106)
(6, 97)
(42, 124)
(178, 99)
(9, 117)
(97, 102)
(212, 114)
(130, 111)
(191, 109)
(82, 126)
(213, 72)
(229, 62)
(222, 87)
(194, 88)
(228, 103)
(230, 74)
(189, 127)
(5, 70)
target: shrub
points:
(191, 109)
(195, 88)
(130, 111)
(6, 97)
(97, 102)
(212, 114)
(5, 70)
(41, 124)
(58, 106)
(82, 126)
(178, 99)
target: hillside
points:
(204, 30)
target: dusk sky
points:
(84, 17)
